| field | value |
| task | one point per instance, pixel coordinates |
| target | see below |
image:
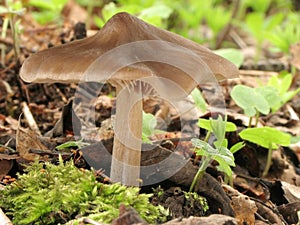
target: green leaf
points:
(155, 14)
(219, 129)
(69, 144)
(199, 100)
(264, 136)
(272, 96)
(233, 55)
(254, 22)
(282, 82)
(203, 148)
(226, 155)
(206, 124)
(250, 100)
(237, 147)
(149, 124)
(223, 167)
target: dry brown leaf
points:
(291, 192)
(5, 167)
(244, 208)
(25, 140)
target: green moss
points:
(53, 194)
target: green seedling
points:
(155, 13)
(49, 11)
(287, 34)
(276, 92)
(259, 25)
(266, 137)
(207, 125)
(219, 152)
(11, 12)
(257, 6)
(54, 194)
(148, 129)
(190, 17)
(251, 101)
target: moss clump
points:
(53, 194)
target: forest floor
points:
(36, 118)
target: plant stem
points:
(250, 122)
(16, 45)
(200, 172)
(3, 35)
(207, 136)
(269, 160)
(256, 118)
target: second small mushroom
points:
(138, 59)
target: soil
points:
(251, 200)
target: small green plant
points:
(11, 12)
(266, 98)
(276, 92)
(266, 137)
(258, 25)
(148, 129)
(287, 34)
(219, 152)
(251, 101)
(48, 11)
(55, 194)
(152, 11)
(191, 16)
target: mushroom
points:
(138, 59)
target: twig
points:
(257, 73)
(228, 28)
(238, 40)
(29, 117)
(4, 219)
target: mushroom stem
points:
(126, 155)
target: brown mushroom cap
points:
(139, 49)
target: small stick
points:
(238, 40)
(29, 117)
(257, 73)
(4, 219)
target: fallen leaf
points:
(244, 208)
(25, 141)
(5, 167)
(291, 192)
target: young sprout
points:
(139, 60)
(251, 101)
(267, 137)
(218, 151)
